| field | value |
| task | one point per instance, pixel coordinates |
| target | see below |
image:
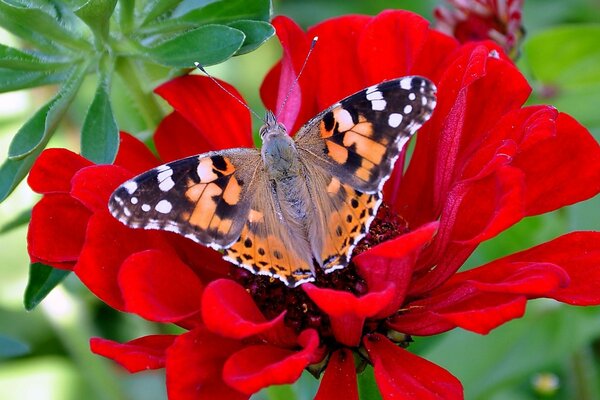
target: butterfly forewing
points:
(205, 198)
(359, 139)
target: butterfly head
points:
(271, 127)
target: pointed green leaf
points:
(100, 134)
(42, 279)
(29, 60)
(37, 25)
(96, 14)
(12, 172)
(209, 44)
(10, 347)
(40, 127)
(18, 221)
(14, 79)
(257, 32)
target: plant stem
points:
(145, 102)
(584, 375)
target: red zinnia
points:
(480, 165)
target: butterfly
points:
(295, 205)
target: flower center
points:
(273, 297)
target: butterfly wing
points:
(271, 244)
(351, 149)
(205, 198)
(360, 138)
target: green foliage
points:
(42, 279)
(68, 40)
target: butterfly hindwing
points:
(360, 138)
(205, 198)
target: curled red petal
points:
(393, 261)
(256, 367)
(141, 354)
(134, 155)
(57, 229)
(159, 287)
(348, 312)
(402, 375)
(53, 170)
(218, 118)
(195, 364)
(93, 185)
(228, 309)
(339, 380)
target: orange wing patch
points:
(350, 214)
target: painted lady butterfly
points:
(296, 204)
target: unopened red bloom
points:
(498, 20)
(481, 164)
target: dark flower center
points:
(273, 297)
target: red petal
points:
(480, 299)
(195, 364)
(141, 354)
(219, 119)
(134, 155)
(228, 309)
(393, 261)
(53, 170)
(403, 375)
(177, 138)
(159, 287)
(336, 49)
(57, 230)
(259, 366)
(93, 185)
(577, 254)
(108, 243)
(348, 312)
(276, 84)
(339, 380)
(405, 34)
(559, 180)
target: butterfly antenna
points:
(201, 68)
(287, 96)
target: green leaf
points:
(38, 26)
(12, 79)
(29, 60)
(257, 32)
(156, 8)
(13, 171)
(10, 347)
(367, 387)
(96, 14)
(37, 131)
(209, 44)
(18, 221)
(42, 279)
(217, 12)
(100, 134)
(229, 10)
(565, 56)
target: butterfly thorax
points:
(279, 154)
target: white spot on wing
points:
(344, 119)
(163, 206)
(134, 200)
(407, 109)
(378, 105)
(406, 83)
(395, 120)
(412, 96)
(377, 95)
(166, 185)
(146, 207)
(165, 182)
(130, 186)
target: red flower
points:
(480, 165)
(498, 20)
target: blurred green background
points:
(552, 353)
